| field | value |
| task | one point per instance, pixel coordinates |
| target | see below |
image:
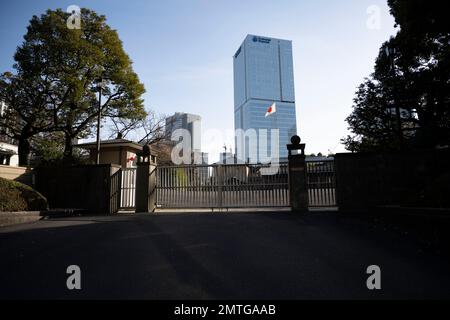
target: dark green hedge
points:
(15, 196)
(438, 193)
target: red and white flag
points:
(272, 109)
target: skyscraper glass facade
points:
(189, 122)
(263, 75)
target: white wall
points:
(14, 162)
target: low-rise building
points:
(8, 146)
(117, 151)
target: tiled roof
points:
(111, 143)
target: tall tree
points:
(26, 113)
(412, 71)
(372, 120)
(63, 68)
(148, 130)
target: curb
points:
(13, 218)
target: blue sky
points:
(182, 51)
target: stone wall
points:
(80, 187)
(368, 180)
(20, 174)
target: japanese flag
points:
(272, 109)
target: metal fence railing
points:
(222, 186)
(321, 183)
(128, 195)
(231, 186)
(115, 190)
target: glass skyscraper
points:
(189, 122)
(193, 124)
(263, 75)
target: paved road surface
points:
(214, 256)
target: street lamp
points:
(390, 53)
(99, 116)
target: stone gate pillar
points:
(298, 187)
(146, 182)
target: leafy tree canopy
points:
(58, 72)
(411, 75)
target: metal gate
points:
(321, 183)
(128, 193)
(115, 188)
(222, 186)
(228, 186)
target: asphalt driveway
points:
(215, 256)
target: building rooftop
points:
(4, 151)
(8, 140)
(110, 144)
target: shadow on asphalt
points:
(216, 256)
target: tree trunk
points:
(24, 152)
(68, 148)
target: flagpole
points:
(272, 112)
(276, 127)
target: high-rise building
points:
(189, 122)
(263, 75)
(193, 124)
